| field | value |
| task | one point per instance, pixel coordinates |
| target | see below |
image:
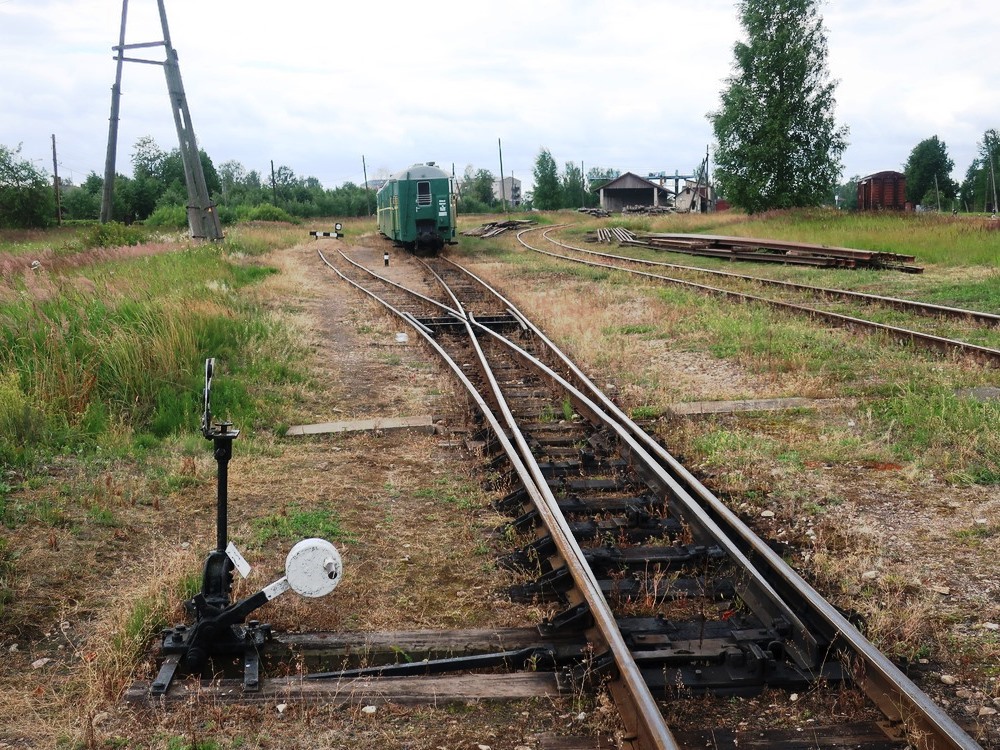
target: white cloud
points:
(314, 85)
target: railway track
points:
(661, 591)
(974, 326)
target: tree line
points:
(156, 193)
(777, 145)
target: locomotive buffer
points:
(313, 568)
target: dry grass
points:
(884, 541)
(100, 579)
(884, 534)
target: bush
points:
(267, 212)
(114, 234)
(168, 217)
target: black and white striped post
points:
(335, 234)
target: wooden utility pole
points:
(55, 181)
(107, 194)
(364, 171)
(203, 219)
(503, 185)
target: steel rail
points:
(893, 692)
(882, 681)
(652, 731)
(897, 302)
(937, 342)
(430, 301)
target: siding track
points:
(672, 593)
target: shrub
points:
(113, 234)
(267, 212)
(168, 217)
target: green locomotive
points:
(416, 209)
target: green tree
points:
(83, 201)
(26, 197)
(573, 189)
(846, 195)
(548, 191)
(481, 187)
(778, 145)
(599, 176)
(928, 173)
(979, 188)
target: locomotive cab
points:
(415, 209)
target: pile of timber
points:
(607, 234)
(646, 210)
(779, 251)
(493, 228)
(598, 212)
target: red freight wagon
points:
(882, 191)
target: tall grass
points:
(119, 348)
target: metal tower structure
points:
(203, 219)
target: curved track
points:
(674, 593)
(987, 354)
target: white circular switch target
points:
(313, 567)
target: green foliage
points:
(22, 423)
(778, 145)
(573, 190)
(113, 234)
(548, 191)
(296, 523)
(477, 187)
(168, 217)
(979, 188)
(846, 195)
(267, 212)
(472, 206)
(91, 365)
(26, 197)
(452, 491)
(928, 417)
(927, 172)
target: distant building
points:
(509, 190)
(632, 190)
(695, 198)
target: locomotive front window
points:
(423, 193)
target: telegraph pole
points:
(107, 194)
(55, 181)
(503, 185)
(203, 219)
(368, 200)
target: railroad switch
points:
(313, 568)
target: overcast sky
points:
(317, 84)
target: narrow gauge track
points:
(626, 264)
(674, 594)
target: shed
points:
(695, 197)
(882, 191)
(632, 190)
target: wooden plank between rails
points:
(361, 691)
